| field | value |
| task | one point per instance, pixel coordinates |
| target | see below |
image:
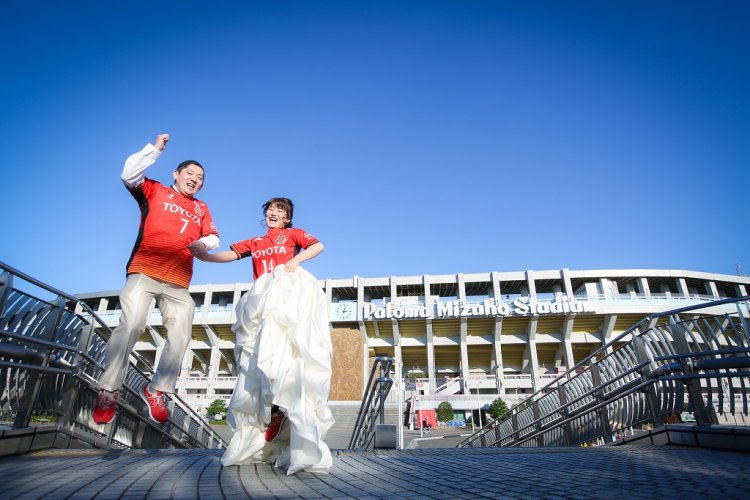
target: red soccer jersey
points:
(278, 246)
(170, 221)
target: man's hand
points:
(161, 141)
(197, 247)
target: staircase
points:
(345, 413)
(52, 356)
(452, 386)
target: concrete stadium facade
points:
(461, 338)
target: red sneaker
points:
(277, 419)
(157, 405)
(104, 411)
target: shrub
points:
(444, 412)
(497, 408)
(219, 406)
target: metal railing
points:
(690, 360)
(50, 360)
(372, 409)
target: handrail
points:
(635, 327)
(644, 381)
(52, 357)
(373, 403)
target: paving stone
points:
(607, 472)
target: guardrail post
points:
(84, 339)
(51, 322)
(6, 285)
(514, 422)
(739, 313)
(704, 415)
(652, 401)
(72, 384)
(381, 390)
(603, 412)
(538, 426)
(186, 425)
(140, 431)
(567, 428)
(483, 439)
(33, 386)
(69, 396)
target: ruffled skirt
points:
(283, 352)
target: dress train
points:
(283, 352)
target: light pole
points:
(479, 407)
(401, 395)
(468, 386)
(419, 417)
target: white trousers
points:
(177, 308)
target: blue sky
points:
(414, 137)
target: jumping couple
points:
(278, 410)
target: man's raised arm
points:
(135, 167)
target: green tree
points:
(218, 406)
(444, 412)
(497, 408)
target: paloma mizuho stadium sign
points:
(521, 306)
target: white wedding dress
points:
(283, 354)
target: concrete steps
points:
(345, 413)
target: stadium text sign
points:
(521, 306)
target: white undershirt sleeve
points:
(135, 167)
(211, 241)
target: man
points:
(174, 226)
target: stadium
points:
(462, 338)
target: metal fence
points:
(372, 410)
(692, 362)
(50, 360)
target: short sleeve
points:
(242, 248)
(302, 238)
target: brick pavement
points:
(605, 472)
